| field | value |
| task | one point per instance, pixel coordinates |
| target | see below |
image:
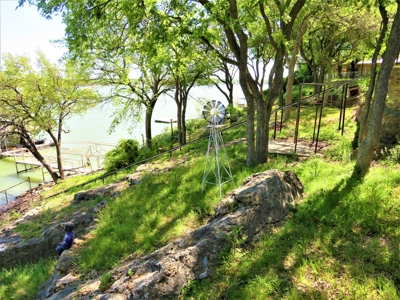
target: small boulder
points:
(65, 261)
(111, 190)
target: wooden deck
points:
(36, 163)
(22, 157)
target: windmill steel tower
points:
(217, 161)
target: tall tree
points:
(40, 99)
(373, 73)
(370, 140)
(207, 20)
(185, 58)
(334, 36)
(118, 39)
(238, 20)
(131, 92)
(225, 73)
(119, 47)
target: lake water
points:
(93, 127)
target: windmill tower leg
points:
(216, 160)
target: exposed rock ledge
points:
(264, 198)
(15, 250)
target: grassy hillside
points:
(341, 242)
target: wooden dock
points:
(33, 165)
(22, 157)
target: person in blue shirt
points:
(67, 240)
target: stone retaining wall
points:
(394, 88)
(390, 131)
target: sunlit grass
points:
(342, 241)
(22, 282)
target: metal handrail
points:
(5, 191)
(275, 111)
(319, 107)
(102, 177)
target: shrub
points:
(124, 154)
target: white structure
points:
(217, 162)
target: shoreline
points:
(23, 202)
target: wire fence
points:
(170, 151)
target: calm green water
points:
(93, 127)
(9, 178)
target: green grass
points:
(22, 282)
(342, 241)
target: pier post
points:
(15, 161)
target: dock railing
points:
(275, 122)
(8, 196)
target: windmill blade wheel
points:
(214, 112)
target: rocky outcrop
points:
(62, 284)
(390, 130)
(264, 199)
(15, 250)
(111, 190)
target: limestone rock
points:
(14, 250)
(65, 262)
(133, 179)
(390, 130)
(62, 284)
(263, 199)
(111, 190)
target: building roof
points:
(369, 62)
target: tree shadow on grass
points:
(148, 216)
(335, 245)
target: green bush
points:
(145, 152)
(235, 113)
(306, 91)
(125, 154)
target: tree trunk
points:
(57, 143)
(264, 106)
(59, 160)
(292, 65)
(147, 122)
(181, 99)
(368, 95)
(149, 113)
(178, 114)
(262, 136)
(329, 84)
(30, 144)
(320, 78)
(251, 92)
(374, 120)
(183, 122)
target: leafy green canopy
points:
(39, 98)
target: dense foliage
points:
(123, 155)
(37, 98)
(341, 241)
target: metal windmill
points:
(217, 162)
